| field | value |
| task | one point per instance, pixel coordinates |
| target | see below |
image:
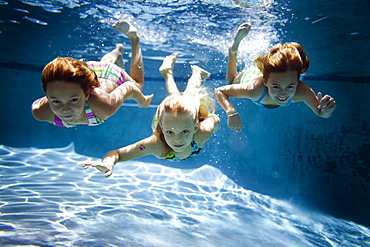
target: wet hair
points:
(282, 58)
(198, 104)
(69, 70)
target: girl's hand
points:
(327, 103)
(235, 123)
(105, 167)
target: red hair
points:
(282, 58)
(69, 70)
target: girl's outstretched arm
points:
(210, 124)
(223, 93)
(322, 106)
(151, 145)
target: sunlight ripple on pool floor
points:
(48, 198)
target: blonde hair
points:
(69, 70)
(195, 102)
(282, 58)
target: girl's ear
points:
(88, 94)
(195, 128)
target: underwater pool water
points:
(286, 180)
(47, 200)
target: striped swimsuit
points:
(108, 71)
(103, 70)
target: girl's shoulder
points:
(252, 90)
(154, 144)
(99, 102)
(205, 129)
(303, 92)
(256, 88)
(201, 138)
(41, 110)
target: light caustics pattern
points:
(48, 198)
(196, 29)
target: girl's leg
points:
(231, 65)
(114, 56)
(166, 70)
(136, 66)
(198, 75)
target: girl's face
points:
(66, 100)
(282, 86)
(178, 130)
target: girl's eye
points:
(185, 131)
(291, 86)
(74, 100)
(169, 132)
(275, 87)
(55, 101)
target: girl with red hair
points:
(273, 82)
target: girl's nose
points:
(66, 108)
(176, 139)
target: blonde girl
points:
(79, 93)
(182, 124)
(273, 83)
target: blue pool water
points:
(146, 204)
(286, 180)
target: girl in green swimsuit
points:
(273, 83)
(181, 126)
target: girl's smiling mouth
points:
(282, 99)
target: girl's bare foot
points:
(243, 30)
(114, 56)
(198, 75)
(168, 64)
(147, 101)
(126, 28)
(119, 51)
(204, 75)
(119, 48)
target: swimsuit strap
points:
(93, 120)
(59, 122)
(262, 96)
(195, 150)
